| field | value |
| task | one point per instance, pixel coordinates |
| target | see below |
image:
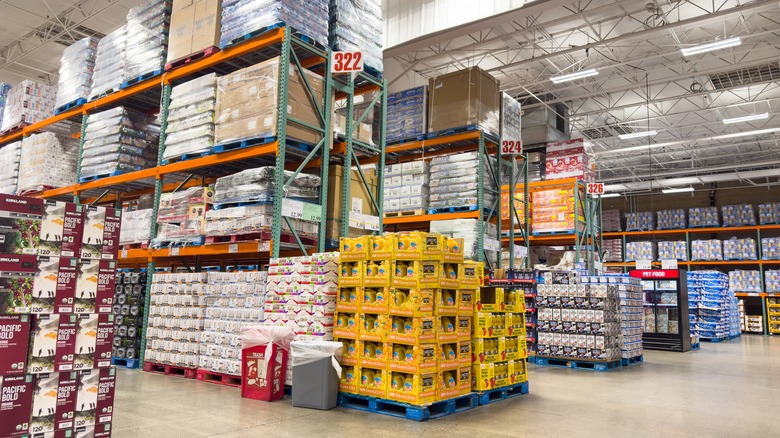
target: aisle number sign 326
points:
(595, 189)
(346, 62)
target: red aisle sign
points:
(595, 189)
(659, 274)
(346, 62)
(511, 147)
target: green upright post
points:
(325, 153)
(281, 138)
(380, 167)
(348, 155)
(76, 199)
(481, 198)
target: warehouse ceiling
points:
(644, 82)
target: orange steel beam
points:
(430, 217)
(118, 179)
(221, 158)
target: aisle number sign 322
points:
(346, 62)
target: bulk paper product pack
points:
(76, 68)
(136, 225)
(407, 112)
(28, 102)
(147, 38)
(241, 17)
(9, 167)
(356, 25)
(47, 161)
(109, 63)
(191, 116)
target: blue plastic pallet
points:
(577, 363)
(631, 361)
(695, 346)
(241, 144)
(103, 94)
(84, 179)
(552, 233)
(124, 362)
(184, 157)
(460, 130)
(419, 137)
(452, 209)
(705, 226)
(372, 72)
(248, 36)
(78, 102)
(410, 412)
(498, 394)
(192, 241)
(140, 78)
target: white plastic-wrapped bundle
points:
(356, 25)
(109, 63)
(76, 68)
(241, 17)
(28, 102)
(136, 226)
(47, 160)
(180, 216)
(251, 219)
(191, 113)
(4, 89)
(147, 38)
(454, 181)
(9, 167)
(257, 185)
(119, 141)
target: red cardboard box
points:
(43, 227)
(16, 394)
(101, 233)
(95, 286)
(95, 399)
(14, 339)
(41, 284)
(94, 339)
(52, 343)
(62, 227)
(263, 371)
(54, 402)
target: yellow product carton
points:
(515, 324)
(465, 302)
(452, 250)
(349, 299)
(489, 299)
(448, 384)
(346, 325)
(482, 377)
(464, 353)
(350, 376)
(446, 302)
(464, 328)
(411, 302)
(383, 247)
(418, 245)
(415, 359)
(447, 329)
(510, 348)
(373, 383)
(449, 276)
(375, 354)
(489, 325)
(501, 374)
(485, 350)
(518, 371)
(351, 274)
(349, 355)
(354, 248)
(412, 330)
(464, 380)
(376, 300)
(471, 274)
(416, 274)
(448, 356)
(514, 300)
(374, 327)
(377, 273)
(414, 389)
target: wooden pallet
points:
(208, 51)
(170, 370)
(405, 213)
(218, 378)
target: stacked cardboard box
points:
(190, 128)
(631, 310)
(359, 201)
(147, 38)
(181, 215)
(357, 26)
(703, 217)
(738, 215)
(9, 167)
(28, 102)
(467, 229)
(109, 63)
(242, 17)
(615, 248)
(407, 112)
(712, 305)
(744, 281)
(640, 221)
(464, 98)
(768, 213)
(404, 314)
(195, 27)
(258, 186)
(519, 220)
(671, 219)
(129, 312)
(407, 186)
(772, 281)
(455, 182)
(569, 159)
(557, 209)
(253, 219)
(676, 250)
(76, 68)
(47, 161)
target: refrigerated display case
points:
(666, 323)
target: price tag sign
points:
(233, 248)
(644, 264)
(346, 62)
(174, 251)
(492, 244)
(510, 146)
(520, 251)
(669, 264)
(598, 266)
(312, 212)
(301, 210)
(124, 254)
(595, 189)
(371, 223)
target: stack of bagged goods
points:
(109, 63)
(590, 332)
(671, 219)
(236, 301)
(615, 249)
(558, 209)
(195, 29)
(675, 250)
(465, 98)
(454, 182)
(570, 159)
(640, 221)
(301, 295)
(76, 69)
(468, 230)
(407, 186)
(404, 315)
(498, 347)
(706, 250)
(181, 216)
(243, 17)
(356, 25)
(610, 220)
(772, 281)
(769, 213)
(703, 217)
(129, 313)
(246, 110)
(190, 128)
(4, 89)
(9, 167)
(246, 222)
(407, 112)
(118, 141)
(177, 307)
(740, 249)
(537, 166)
(56, 323)
(643, 250)
(47, 161)
(26, 103)
(745, 281)
(257, 186)
(136, 227)
(738, 215)
(147, 39)
(631, 311)
(770, 248)
(711, 304)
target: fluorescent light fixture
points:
(749, 118)
(611, 195)
(576, 75)
(637, 134)
(678, 190)
(709, 47)
(744, 134)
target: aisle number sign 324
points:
(511, 147)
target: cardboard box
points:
(462, 98)
(374, 327)
(96, 431)
(350, 376)
(16, 393)
(411, 302)
(350, 351)
(349, 299)
(95, 286)
(412, 331)
(373, 382)
(464, 380)
(465, 302)
(52, 343)
(416, 274)
(413, 358)
(483, 377)
(195, 26)
(94, 341)
(41, 284)
(346, 325)
(376, 300)
(95, 399)
(383, 247)
(377, 273)
(413, 388)
(446, 302)
(359, 200)
(351, 274)
(14, 339)
(448, 384)
(101, 233)
(449, 356)
(54, 402)
(374, 354)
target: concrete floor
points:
(726, 389)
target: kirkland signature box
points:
(53, 340)
(14, 339)
(54, 402)
(37, 226)
(16, 394)
(94, 339)
(95, 399)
